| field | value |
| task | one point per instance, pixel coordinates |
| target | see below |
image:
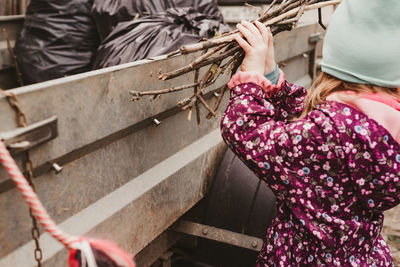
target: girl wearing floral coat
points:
(332, 156)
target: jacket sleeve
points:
(257, 127)
(374, 162)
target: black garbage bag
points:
(158, 34)
(108, 13)
(58, 38)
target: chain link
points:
(13, 101)
(22, 122)
(35, 230)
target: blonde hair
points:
(326, 84)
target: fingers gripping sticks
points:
(257, 42)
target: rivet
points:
(156, 122)
(57, 168)
(216, 94)
(205, 231)
(254, 244)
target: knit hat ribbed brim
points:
(362, 43)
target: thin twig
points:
(294, 21)
(188, 103)
(173, 53)
(270, 7)
(136, 95)
(196, 106)
(206, 55)
(219, 99)
(257, 9)
(186, 69)
(206, 105)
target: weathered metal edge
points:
(112, 203)
(8, 184)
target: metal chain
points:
(28, 167)
(13, 101)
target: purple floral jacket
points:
(333, 172)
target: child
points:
(332, 158)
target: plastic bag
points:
(108, 13)
(58, 38)
(158, 33)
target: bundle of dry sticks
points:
(222, 54)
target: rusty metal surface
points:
(218, 234)
(151, 253)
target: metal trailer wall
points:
(124, 178)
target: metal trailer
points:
(130, 170)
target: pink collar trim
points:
(383, 99)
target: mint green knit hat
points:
(362, 43)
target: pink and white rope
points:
(33, 201)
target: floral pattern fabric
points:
(333, 172)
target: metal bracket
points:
(218, 234)
(22, 139)
(315, 37)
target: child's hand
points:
(258, 46)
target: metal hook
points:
(320, 19)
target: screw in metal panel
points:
(57, 168)
(205, 231)
(156, 122)
(254, 244)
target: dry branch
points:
(224, 49)
(187, 49)
(137, 95)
